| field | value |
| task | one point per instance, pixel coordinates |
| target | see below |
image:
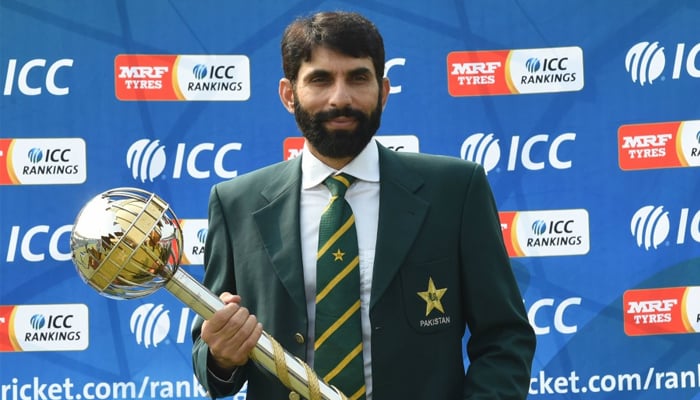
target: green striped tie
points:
(338, 345)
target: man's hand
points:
(231, 334)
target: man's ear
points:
(286, 92)
(386, 87)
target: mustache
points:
(323, 116)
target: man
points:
(431, 257)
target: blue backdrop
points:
(584, 113)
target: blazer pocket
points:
(431, 295)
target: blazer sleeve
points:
(502, 342)
(218, 277)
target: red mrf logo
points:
(477, 73)
(144, 77)
(661, 311)
(659, 145)
(292, 147)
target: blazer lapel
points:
(278, 223)
(401, 213)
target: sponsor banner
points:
(42, 161)
(523, 71)
(194, 234)
(182, 77)
(662, 311)
(545, 233)
(49, 327)
(293, 146)
(659, 145)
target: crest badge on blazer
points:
(436, 314)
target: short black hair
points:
(346, 32)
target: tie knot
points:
(338, 184)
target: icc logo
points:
(201, 238)
(646, 62)
(544, 307)
(40, 237)
(553, 64)
(150, 324)
(36, 155)
(38, 321)
(651, 226)
(485, 150)
(540, 227)
(33, 69)
(202, 235)
(201, 71)
(147, 160)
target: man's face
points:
(337, 103)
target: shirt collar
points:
(364, 167)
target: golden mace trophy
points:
(126, 243)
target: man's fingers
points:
(231, 335)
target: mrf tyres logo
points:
(652, 226)
(50, 327)
(646, 62)
(182, 77)
(522, 71)
(545, 233)
(659, 145)
(662, 311)
(148, 160)
(42, 161)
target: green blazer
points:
(437, 222)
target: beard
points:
(337, 143)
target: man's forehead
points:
(325, 59)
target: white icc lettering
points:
(526, 152)
(24, 71)
(559, 310)
(683, 226)
(191, 160)
(26, 241)
(388, 66)
(690, 61)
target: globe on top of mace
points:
(126, 243)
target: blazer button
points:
(294, 396)
(299, 338)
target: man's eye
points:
(318, 79)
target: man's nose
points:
(340, 96)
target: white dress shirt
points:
(363, 197)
